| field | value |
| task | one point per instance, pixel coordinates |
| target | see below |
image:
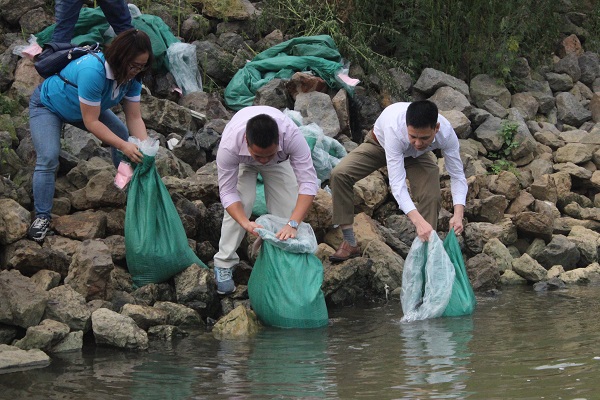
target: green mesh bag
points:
(156, 245)
(285, 287)
(462, 300)
(260, 203)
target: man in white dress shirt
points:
(402, 138)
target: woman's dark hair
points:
(124, 48)
(262, 131)
(422, 114)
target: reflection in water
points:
(436, 352)
(161, 379)
(290, 363)
(517, 345)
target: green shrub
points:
(460, 37)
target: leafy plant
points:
(7, 105)
(503, 165)
(592, 25)
(508, 132)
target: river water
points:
(518, 344)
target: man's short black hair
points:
(422, 114)
(262, 131)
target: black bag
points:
(56, 56)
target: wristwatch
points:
(293, 224)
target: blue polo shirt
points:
(96, 87)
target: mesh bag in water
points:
(427, 280)
(285, 284)
(462, 300)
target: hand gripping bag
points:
(427, 280)
(285, 284)
(156, 245)
(462, 300)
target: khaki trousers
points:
(281, 195)
(422, 173)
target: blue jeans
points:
(67, 13)
(46, 128)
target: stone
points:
(239, 323)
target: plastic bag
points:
(156, 245)
(326, 152)
(183, 64)
(260, 202)
(30, 51)
(304, 242)
(284, 287)
(462, 301)
(427, 280)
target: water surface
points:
(517, 345)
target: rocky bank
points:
(532, 218)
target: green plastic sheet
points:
(318, 54)
(156, 245)
(92, 24)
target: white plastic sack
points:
(295, 116)
(148, 147)
(183, 64)
(304, 242)
(426, 262)
(326, 153)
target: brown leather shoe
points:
(344, 252)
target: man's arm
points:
(302, 206)
(306, 177)
(456, 221)
(236, 210)
(423, 227)
(458, 182)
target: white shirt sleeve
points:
(394, 154)
(454, 166)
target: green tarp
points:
(92, 25)
(318, 54)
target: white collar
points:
(109, 72)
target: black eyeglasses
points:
(137, 67)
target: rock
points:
(239, 323)
(529, 269)
(118, 330)
(483, 272)
(22, 303)
(43, 336)
(69, 307)
(14, 221)
(560, 251)
(13, 358)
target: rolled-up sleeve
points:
(228, 167)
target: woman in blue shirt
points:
(82, 95)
